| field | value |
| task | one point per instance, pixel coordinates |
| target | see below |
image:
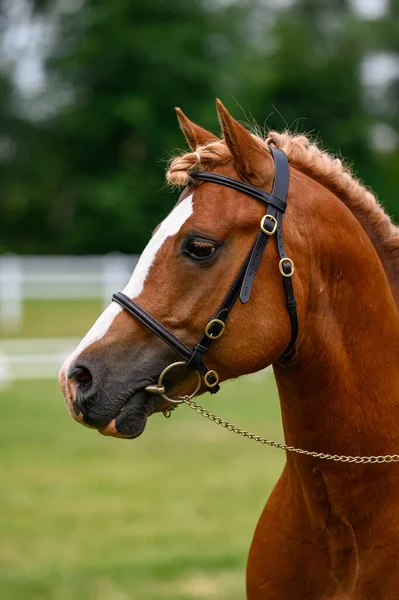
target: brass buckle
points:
(159, 389)
(209, 334)
(213, 383)
(262, 224)
(291, 263)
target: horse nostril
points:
(82, 376)
(83, 383)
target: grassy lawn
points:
(56, 319)
(169, 516)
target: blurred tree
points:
(311, 77)
(92, 175)
(85, 176)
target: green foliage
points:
(88, 179)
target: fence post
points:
(11, 292)
(5, 371)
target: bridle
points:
(271, 223)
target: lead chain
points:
(388, 458)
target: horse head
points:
(181, 278)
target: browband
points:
(241, 186)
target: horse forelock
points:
(320, 165)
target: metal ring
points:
(211, 385)
(262, 224)
(212, 322)
(161, 388)
(291, 263)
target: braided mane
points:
(331, 172)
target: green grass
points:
(56, 319)
(169, 516)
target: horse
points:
(330, 529)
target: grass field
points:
(169, 516)
(56, 319)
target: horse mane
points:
(328, 170)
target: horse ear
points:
(194, 134)
(250, 158)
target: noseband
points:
(271, 223)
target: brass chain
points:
(388, 458)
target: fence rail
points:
(58, 278)
(33, 358)
(41, 358)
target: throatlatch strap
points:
(288, 286)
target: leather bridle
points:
(271, 223)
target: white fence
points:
(47, 278)
(58, 277)
(33, 358)
(27, 359)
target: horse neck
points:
(340, 395)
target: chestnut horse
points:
(329, 530)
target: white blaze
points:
(170, 226)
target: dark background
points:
(84, 141)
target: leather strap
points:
(281, 174)
(241, 186)
(287, 268)
(243, 282)
(280, 190)
(156, 327)
(204, 343)
(261, 241)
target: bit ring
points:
(159, 389)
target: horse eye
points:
(200, 249)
